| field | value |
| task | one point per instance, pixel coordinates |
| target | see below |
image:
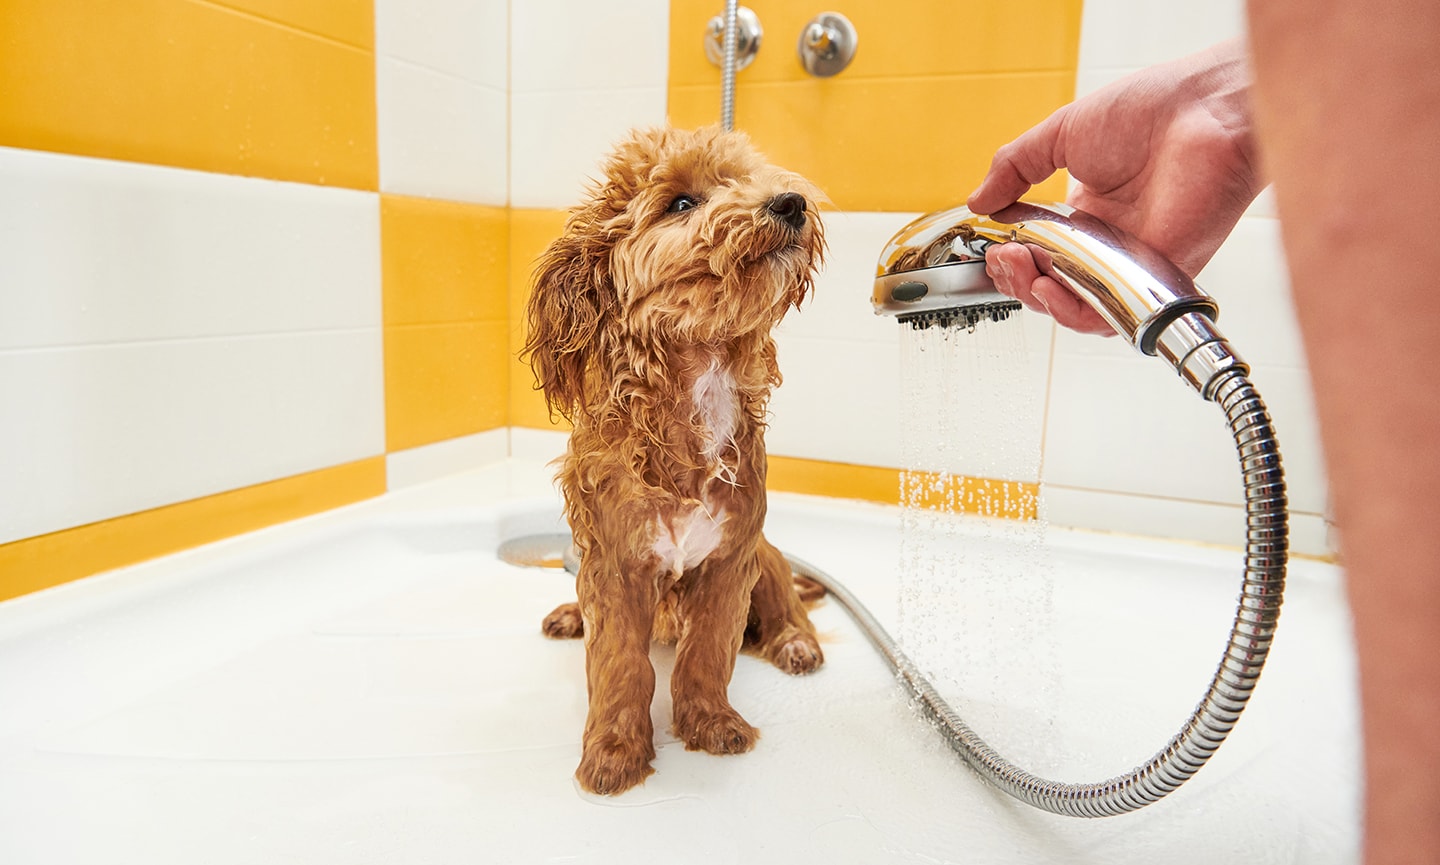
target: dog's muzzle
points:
(789, 208)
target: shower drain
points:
(553, 551)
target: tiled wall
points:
(1123, 451)
(442, 80)
(261, 257)
(909, 128)
(253, 264)
(582, 74)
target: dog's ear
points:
(572, 302)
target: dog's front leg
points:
(617, 601)
(714, 603)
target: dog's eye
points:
(682, 203)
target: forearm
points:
(1348, 104)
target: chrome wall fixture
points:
(827, 44)
(748, 34)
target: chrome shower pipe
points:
(727, 69)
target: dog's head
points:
(689, 238)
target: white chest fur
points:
(684, 539)
(715, 408)
(687, 538)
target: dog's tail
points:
(809, 590)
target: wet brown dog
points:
(649, 329)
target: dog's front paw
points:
(564, 623)
(611, 764)
(798, 655)
(720, 731)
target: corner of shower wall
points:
(230, 303)
(191, 340)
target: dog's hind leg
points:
(713, 601)
(779, 629)
(617, 600)
(564, 622)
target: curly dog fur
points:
(649, 330)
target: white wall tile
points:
(101, 431)
(537, 445)
(167, 334)
(967, 403)
(840, 307)
(1205, 522)
(1249, 279)
(579, 44)
(440, 136)
(466, 39)
(429, 462)
(840, 401)
(1087, 81)
(558, 138)
(1129, 424)
(97, 251)
(1132, 33)
(582, 75)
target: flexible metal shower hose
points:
(727, 69)
(1258, 611)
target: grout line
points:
(415, 65)
(182, 340)
(221, 6)
(1045, 403)
(1239, 506)
(548, 91)
(882, 79)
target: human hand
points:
(1166, 154)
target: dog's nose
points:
(789, 208)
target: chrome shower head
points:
(933, 273)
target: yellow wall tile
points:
(445, 269)
(444, 380)
(912, 124)
(442, 261)
(994, 498)
(49, 560)
(921, 37)
(837, 480)
(348, 21)
(852, 138)
(530, 232)
(194, 85)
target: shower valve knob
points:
(827, 44)
(748, 34)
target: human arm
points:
(1348, 106)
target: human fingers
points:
(1013, 270)
(1019, 165)
(1017, 273)
(1067, 309)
